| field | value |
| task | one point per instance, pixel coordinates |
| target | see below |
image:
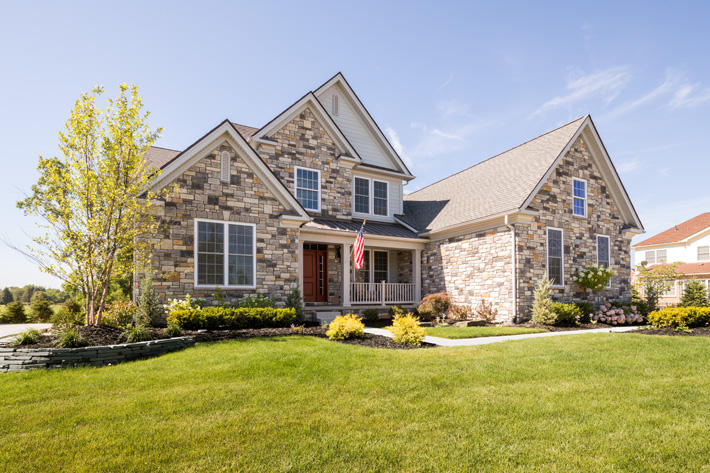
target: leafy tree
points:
(96, 199)
(7, 296)
(28, 291)
(542, 304)
(695, 294)
(656, 280)
(40, 308)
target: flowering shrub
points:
(608, 314)
(345, 326)
(185, 304)
(119, 314)
(680, 317)
(594, 277)
(406, 329)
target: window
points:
(224, 166)
(672, 288)
(703, 253)
(379, 192)
(335, 104)
(308, 188)
(650, 257)
(661, 256)
(362, 195)
(380, 266)
(579, 203)
(225, 254)
(603, 258)
(555, 256)
(363, 275)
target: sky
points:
(450, 83)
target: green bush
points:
(172, 330)
(407, 330)
(565, 314)
(119, 314)
(586, 309)
(40, 308)
(679, 317)
(695, 294)
(434, 306)
(14, 313)
(137, 333)
(150, 310)
(69, 314)
(256, 301)
(371, 315)
(29, 337)
(70, 338)
(638, 301)
(295, 302)
(542, 311)
(346, 326)
(232, 318)
(396, 311)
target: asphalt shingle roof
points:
(499, 184)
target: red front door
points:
(315, 273)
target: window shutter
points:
(225, 166)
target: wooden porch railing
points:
(381, 293)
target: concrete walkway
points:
(467, 342)
(7, 331)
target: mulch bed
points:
(95, 336)
(696, 332)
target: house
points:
(687, 243)
(262, 210)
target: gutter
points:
(511, 227)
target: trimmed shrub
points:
(680, 317)
(29, 337)
(137, 333)
(346, 326)
(434, 306)
(565, 314)
(232, 318)
(172, 330)
(407, 330)
(119, 314)
(485, 311)
(586, 309)
(695, 294)
(542, 311)
(14, 313)
(70, 338)
(371, 315)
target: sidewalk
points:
(10, 330)
(466, 342)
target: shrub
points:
(172, 330)
(119, 314)
(258, 301)
(150, 310)
(295, 302)
(586, 309)
(459, 312)
(406, 329)
(434, 305)
(29, 337)
(542, 311)
(594, 277)
(6, 297)
(679, 317)
(184, 304)
(219, 297)
(485, 311)
(371, 315)
(70, 338)
(346, 326)
(396, 311)
(232, 318)
(70, 313)
(14, 313)
(40, 308)
(638, 302)
(617, 313)
(137, 333)
(565, 314)
(695, 294)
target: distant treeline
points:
(25, 293)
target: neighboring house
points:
(688, 244)
(264, 210)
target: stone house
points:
(264, 210)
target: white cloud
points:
(435, 141)
(689, 95)
(447, 81)
(398, 146)
(672, 80)
(629, 166)
(606, 84)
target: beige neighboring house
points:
(261, 210)
(687, 243)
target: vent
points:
(335, 104)
(225, 166)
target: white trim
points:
(226, 224)
(369, 195)
(586, 196)
(371, 198)
(225, 177)
(562, 252)
(387, 198)
(295, 186)
(405, 224)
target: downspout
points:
(514, 280)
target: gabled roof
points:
(505, 183)
(339, 78)
(680, 232)
(158, 157)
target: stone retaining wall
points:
(24, 359)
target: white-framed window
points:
(334, 104)
(380, 266)
(307, 182)
(225, 166)
(604, 252)
(650, 257)
(661, 256)
(579, 197)
(555, 256)
(703, 253)
(371, 196)
(225, 254)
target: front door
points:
(315, 273)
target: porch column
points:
(300, 267)
(346, 275)
(417, 271)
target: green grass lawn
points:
(475, 332)
(588, 403)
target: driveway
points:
(7, 331)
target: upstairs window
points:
(703, 253)
(555, 257)
(224, 166)
(603, 254)
(379, 204)
(661, 256)
(308, 188)
(579, 192)
(650, 257)
(362, 195)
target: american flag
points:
(359, 248)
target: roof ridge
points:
(163, 147)
(497, 155)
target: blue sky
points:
(451, 83)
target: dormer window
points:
(225, 165)
(308, 188)
(579, 198)
(334, 104)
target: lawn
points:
(475, 332)
(593, 402)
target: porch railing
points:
(381, 293)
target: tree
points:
(96, 199)
(40, 308)
(150, 310)
(14, 313)
(656, 280)
(6, 296)
(542, 304)
(695, 294)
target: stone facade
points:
(554, 204)
(335, 275)
(472, 267)
(303, 142)
(200, 194)
(403, 266)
